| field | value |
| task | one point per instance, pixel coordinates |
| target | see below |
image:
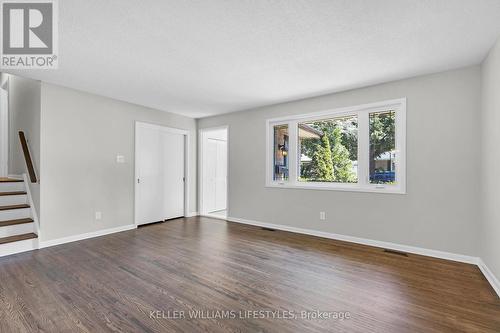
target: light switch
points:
(120, 159)
(98, 215)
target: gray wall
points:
(24, 115)
(81, 136)
(441, 208)
(490, 231)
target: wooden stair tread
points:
(17, 238)
(14, 207)
(15, 222)
(12, 193)
(10, 180)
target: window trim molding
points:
(363, 185)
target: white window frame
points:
(362, 112)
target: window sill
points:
(388, 189)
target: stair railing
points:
(27, 157)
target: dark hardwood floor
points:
(116, 282)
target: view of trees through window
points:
(359, 148)
(329, 150)
(382, 147)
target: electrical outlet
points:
(98, 216)
(322, 216)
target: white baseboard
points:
(364, 241)
(88, 235)
(386, 245)
(191, 214)
(488, 274)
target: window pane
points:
(280, 153)
(329, 150)
(382, 147)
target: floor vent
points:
(268, 229)
(396, 252)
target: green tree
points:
(382, 135)
(342, 165)
(321, 164)
(349, 133)
(342, 137)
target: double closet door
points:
(160, 173)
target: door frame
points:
(200, 168)
(187, 151)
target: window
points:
(383, 147)
(280, 153)
(329, 150)
(359, 148)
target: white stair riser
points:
(14, 214)
(18, 229)
(9, 187)
(6, 200)
(17, 247)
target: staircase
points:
(18, 231)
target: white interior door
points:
(149, 186)
(160, 167)
(221, 176)
(214, 170)
(209, 175)
(173, 157)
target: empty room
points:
(250, 166)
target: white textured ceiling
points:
(206, 57)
